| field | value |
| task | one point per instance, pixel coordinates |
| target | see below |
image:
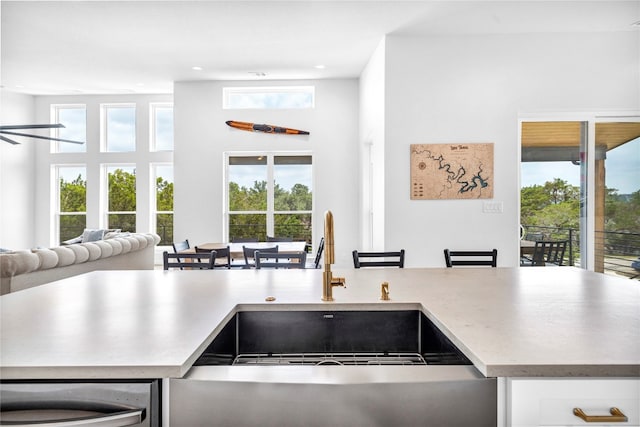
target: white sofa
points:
(25, 269)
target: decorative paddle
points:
(254, 127)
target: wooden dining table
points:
(236, 248)
(527, 247)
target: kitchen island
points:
(510, 322)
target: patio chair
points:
(546, 253)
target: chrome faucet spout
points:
(328, 281)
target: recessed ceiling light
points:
(196, 68)
(320, 67)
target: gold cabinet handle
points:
(616, 416)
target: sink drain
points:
(329, 362)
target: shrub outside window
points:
(163, 216)
(121, 197)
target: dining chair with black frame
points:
(249, 254)
(223, 256)
(381, 259)
(181, 246)
(189, 261)
(280, 259)
(318, 258)
(545, 253)
(471, 258)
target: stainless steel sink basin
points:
(337, 368)
(331, 337)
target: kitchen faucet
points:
(328, 281)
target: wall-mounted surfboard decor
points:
(255, 127)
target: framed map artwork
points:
(451, 171)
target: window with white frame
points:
(163, 203)
(118, 128)
(74, 120)
(276, 97)
(269, 194)
(161, 132)
(121, 197)
(115, 195)
(71, 197)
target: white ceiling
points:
(104, 47)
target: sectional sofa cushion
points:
(20, 262)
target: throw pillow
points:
(92, 235)
(72, 241)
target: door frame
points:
(588, 223)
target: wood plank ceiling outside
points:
(567, 134)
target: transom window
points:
(269, 98)
(161, 127)
(119, 128)
(74, 119)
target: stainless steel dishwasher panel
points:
(74, 403)
(333, 396)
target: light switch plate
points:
(492, 207)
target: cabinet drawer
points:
(550, 402)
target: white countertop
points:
(154, 324)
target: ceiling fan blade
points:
(39, 137)
(10, 141)
(22, 127)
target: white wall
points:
(17, 175)
(435, 90)
(472, 89)
(202, 137)
(372, 152)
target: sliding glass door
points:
(580, 182)
(617, 198)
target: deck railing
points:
(617, 249)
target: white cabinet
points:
(551, 401)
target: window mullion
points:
(270, 196)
